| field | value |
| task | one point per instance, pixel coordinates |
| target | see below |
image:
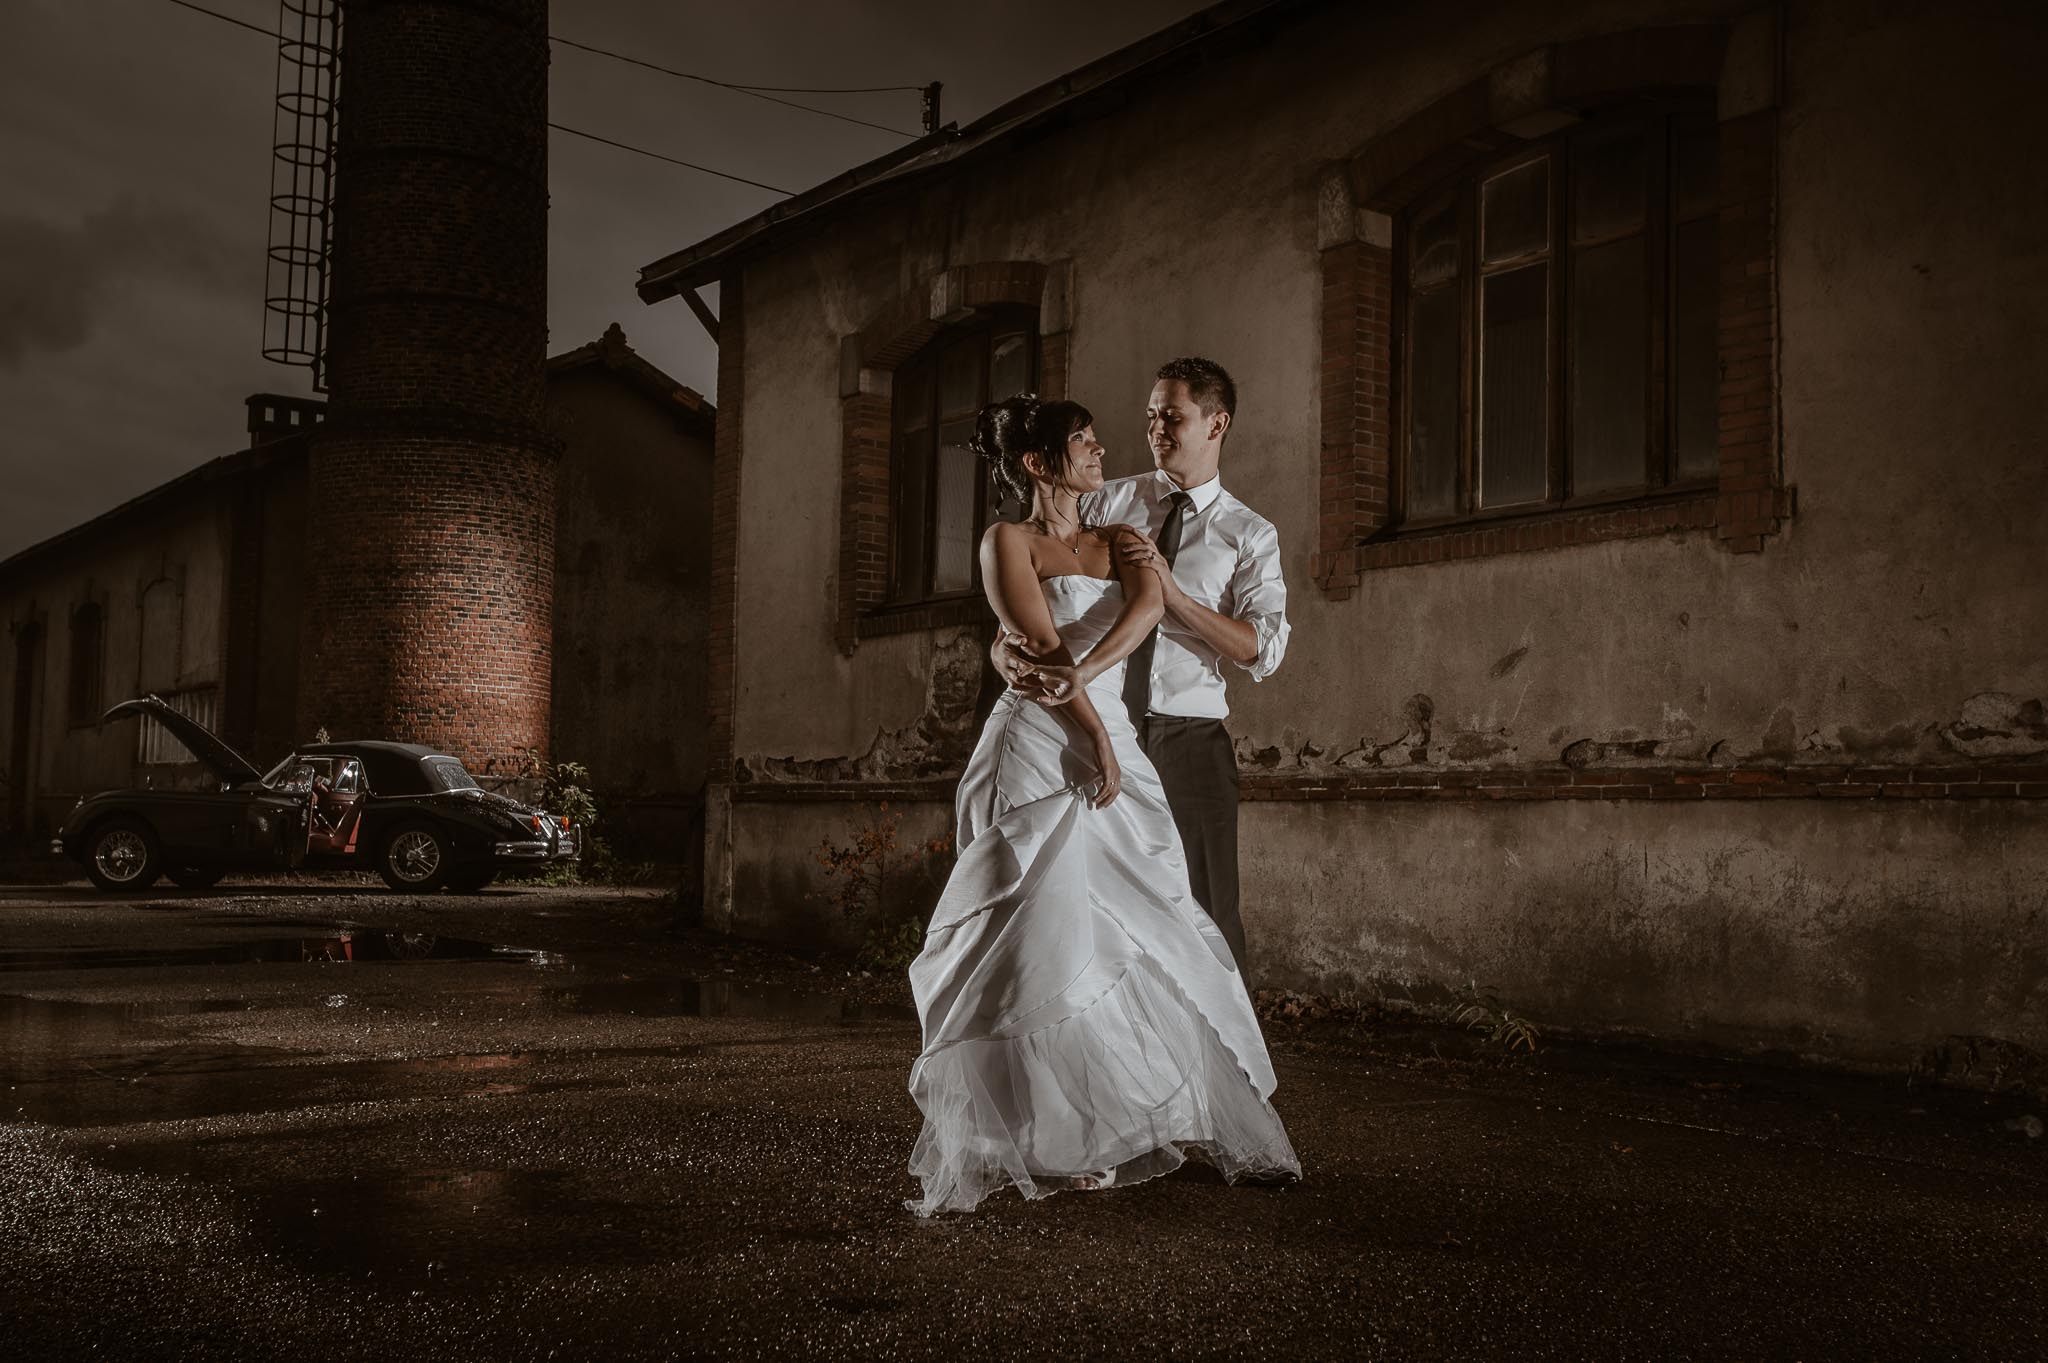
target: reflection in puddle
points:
(334, 944)
(71, 1063)
(696, 998)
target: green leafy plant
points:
(1484, 1012)
(882, 888)
(565, 789)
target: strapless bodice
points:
(1083, 608)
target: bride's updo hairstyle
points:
(1006, 431)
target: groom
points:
(1218, 562)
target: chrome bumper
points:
(565, 848)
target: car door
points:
(335, 827)
(196, 825)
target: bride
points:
(1084, 1023)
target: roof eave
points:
(712, 257)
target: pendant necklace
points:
(1046, 530)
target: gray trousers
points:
(1198, 766)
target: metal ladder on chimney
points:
(301, 185)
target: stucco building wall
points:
(1890, 622)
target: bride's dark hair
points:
(1006, 431)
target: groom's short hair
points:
(1208, 383)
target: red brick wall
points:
(1750, 506)
(863, 510)
(1357, 334)
(433, 598)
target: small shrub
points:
(883, 889)
(565, 789)
(1484, 1012)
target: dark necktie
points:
(1138, 667)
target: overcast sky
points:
(135, 145)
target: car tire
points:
(469, 882)
(124, 855)
(196, 877)
(414, 858)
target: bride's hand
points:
(1014, 663)
(1055, 684)
(1112, 773)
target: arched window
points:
(88, 658)
(940, 496)
(1558, 314)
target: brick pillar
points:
(430, 514)
(865, 417)
(1752, 500)
(1356, 386)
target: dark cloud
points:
(129, 334)
(58, 282)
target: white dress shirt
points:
(1229, 561)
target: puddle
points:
(695, 998)
(336, 945)
(434, 1229)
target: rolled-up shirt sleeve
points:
(1258, 596)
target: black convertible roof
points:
(393, 768)
(412, 752)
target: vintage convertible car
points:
(412, 814)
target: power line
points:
(578, 132)
(759, 91)
(558, 127)
(767, 92)
(741, 85)
(270, 33)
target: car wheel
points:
(415, 857)
(196, 877)
(124, 855)
(469, 882)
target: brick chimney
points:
(431, 514)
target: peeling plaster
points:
(1989, 725)
(1994, 724)
(936, 744)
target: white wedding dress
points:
(1082, 1016)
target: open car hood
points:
(216, 756)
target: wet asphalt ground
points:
(322, 1122)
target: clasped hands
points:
(1053, 684)
(1048, 683)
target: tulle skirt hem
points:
(1125, 1091)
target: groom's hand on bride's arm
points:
(1228, 635)
(1135, 549)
